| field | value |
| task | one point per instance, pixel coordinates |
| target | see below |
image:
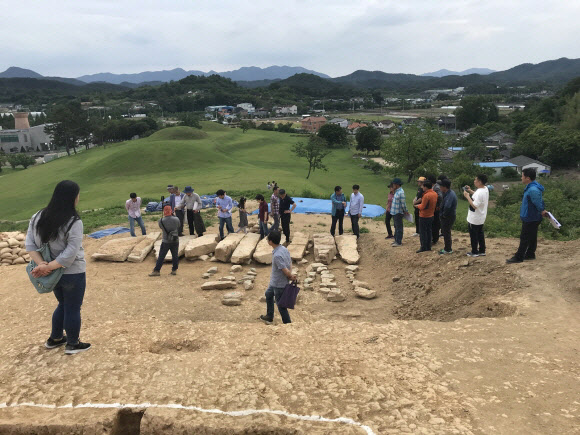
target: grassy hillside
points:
(216, 157)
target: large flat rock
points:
(263, 252)
(117, 249)
(225, 248)
(298, 245)
(324, 248)
(143, 248)
(218, 285)
(183, 241)
(347, 248)
(203, 245)
(245, 249)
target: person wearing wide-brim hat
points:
(398, 210)
(192, 202)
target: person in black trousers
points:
(287, 206)
(388, 215)
(436, 219)
(338, 206)
(531, 213)
(447, 214)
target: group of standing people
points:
(281, 208)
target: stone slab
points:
(183, 241)
(225, 248)
(298, 246)
(117, 249)
(245, 249)
(218, 285)
(232, 298)
(263, 252)
(365, 293)
(203, 245)
(347, 248)
(324, 248)
(143, 248)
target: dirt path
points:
(448, 346)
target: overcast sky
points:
(70, 38)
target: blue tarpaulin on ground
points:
(311, 205)
(109, 232)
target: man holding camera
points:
(476, 215)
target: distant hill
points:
(251, 73)
(446, 72)
(552, 71)
(15, 72)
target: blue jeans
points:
(228, 222)
(271, 293)
(276, 223)
(165, 247)
(69, 292)
(426, 232)
(263, 229)
(398, 222)
(132, 225)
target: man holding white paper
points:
(531, 213)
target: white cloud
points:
(71, 38)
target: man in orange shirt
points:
(426, 212)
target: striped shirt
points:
(274, 205)
(399, 206)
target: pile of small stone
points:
(361, 288)
(248, 279)
(12, 249)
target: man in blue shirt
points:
(531, 213)
(338, 205)
(447, 214)
(281, 274)
(357, 201)
(224, 205)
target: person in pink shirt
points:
(388, 215)
(133, 206)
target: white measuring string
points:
(344, 420)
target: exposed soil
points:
(450, 345)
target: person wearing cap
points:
(426, 211)
(338, 206)
(287, 206)
(388, 215)
(417, 201)
(191, 203)
(133, 206)
(224, 205)
(398, 210)
(169, 224)
(447, 214)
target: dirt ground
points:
(450, 345)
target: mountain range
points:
(554, 72)
(446, 72)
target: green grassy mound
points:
(178, 133)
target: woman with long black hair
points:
(60, 226)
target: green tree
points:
(368, 139)
(415, 150)
(476, 110)
(571, 113)
(246, 125)
(3, 159)
(69, 126)
(21, 160)
(334, 135)
(314, 151)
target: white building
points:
(523, 162)
(339, 121)
(32, 139)
(287, 110)
(248, 107)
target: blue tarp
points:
(311, 205)
(109, 232)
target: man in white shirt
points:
(178, 208)
(192, 204)
(133, 206)
(476, 215)
(357, 201)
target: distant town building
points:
(497, 166)
(248, 107)
(340, 122)
(313, 123)
(448, 122)
(523, 162)
(287, 110)
(353, 128)
(24, 138)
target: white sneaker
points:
(415, 235)
(395, 245)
